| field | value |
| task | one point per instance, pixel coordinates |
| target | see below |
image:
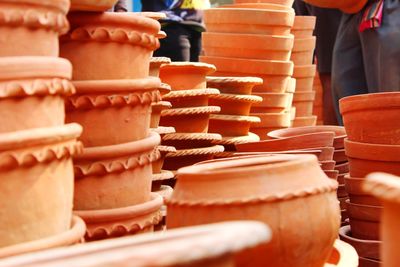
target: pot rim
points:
(374, 152)
(306, 23)
(304, 44)
(249, 10)
(235, 80)
(262, 6)
(62, 5)
(304, 71)
(385, 100)
(383, 186)
(200, 67)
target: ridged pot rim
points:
(178, 67)
(62, 5)
(110, 86)
(374, 152)
(375, 101)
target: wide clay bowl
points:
(342, 255)
(305, 121)
(365, 248)
(233, 104)
(169, 249)
(155, 65)
(272, 103)
(303, 26)
(190, 98)
(37, 182)
(366, 158)
(271, 192)
(304, 76)
(117, 222)
(32, 92)
(287, 3)
(249, 20)
(364, 124)
(234, 85)
(125, 105)
(124, 40)
(92, 5)
(303, 50)
(356, 193)
(251, 46)
(306, 141)
(338, 141)
(194, 72)
(230, 125)
(304, 103)
(36, 22)
(72, 236)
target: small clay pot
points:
(363, 212)
(250, 46)
(233, 104)
(229, 125)
(159, 179)
(352, 6)
(343, 168)
(366, 158)
(190, 98)
(365, 248)
(156, 109)
(32, 91)
(304, 76)
(36, 22)
(365, 230)
(357, 194)
(273, 120)
(305, 121)
(234, 85)
(327, 165)
(126, 40)
(188, 120)
(331, 174)
(190, 140)
(364, 124)
(272, 103)
(124, 104)
(92, 5)
(303, 26)
(194, 74)
(37, 182)
(343, 255)
(304, 103)
(303, 51)
(249, 20)
(102, 173)
(155, 65)
(340, 156)
(131, 220)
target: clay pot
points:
(164, 89)
(157, 164)
(365, 248)
(364, 124)
(72, 236)
(229, 142)
(194, 74)
(272, 103)
(365, 158)
(156, 109)
(340, 156)
(251, 46)
(352, 6)
(37, 164)
(155, 65)
(303, 51)
(303, 26)
(305, 121)
(272, 120)
(102, 173)
(365, 262)
(124, 104)
(260, 197)
(327, 165)
(130, 220)
(275, 74)
(190, 98)
(363, 212)
(234, 85)
(356, 193)
(124, 40)
(247, 20)
(326, 153)
(33, 91)
(190, 140)
(188, 120)
(343, 168)
(36, 22)
(365, 230)
(341, 178)
(287, 3)
(92, 5)
(291, 86)
(332, 174)
(229, 125)
(304, 77)
(342, 255)
(161, 130)
(304, 103)
(232, 104)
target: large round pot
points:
(234, 85)
(303, 50)
(348, 6)
(92, 5)
(304, 103)
(365, 158)
(303, 26)
(124, 105)
(364, 124)
(272, 103)
(357, 194)
(32, 92)
(270, 193)
(124, 40)
(37, 182)
(365, 248)
(34, 22)
(234, 104)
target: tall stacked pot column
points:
(36, 148)
(110, 53)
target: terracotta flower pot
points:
(37, 182)
(303, 26)
(341, 192)
(161, 130)
(272, 120)
(33, 91)
(275, 74)
(365, 158)
(233, 104)
(72, 236)
(102, 173)
(258, 197)
(155, 65)
(186, 75)
(365, 262)
(234, 85)
(92, 5)
(229, 142)
(327, 165)
(304, 103)
(156, 109)
(363, 212)
(352, 6)
(291, 86)
(340, 156)
(305, 121)
(357, 194)
(130, 220)
(287, 3)
(343, 255)
(190, 140)
(247, 20)
(304, 77)
(36, 22)
(272, 103)
(364, 124)
(190, 98)
(157, 164)
(251, 46)
(263, 131)
(365, 248)
(230, 125)
(343, 168)
(303, 51)
(365, 230)
(124, 104)
(123, 40)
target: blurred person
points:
(120, 6)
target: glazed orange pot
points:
(36, 22)
(33, 91)
(304, 77)
(247, 20)
(156, 109)
(124, 104)
(92, 5)
(356, 193)
(37, 182)
(194, 74)
(305, 121)
(234, 85)
(199, 198)
(155, 65)
(287, 3)
(251, 46)
(190, 98)
(303, 26)
(272, 103)
(234, 104)
(365, 158)
(352, 6)
(230, 125)
(304, 103)
(364, 124)
(124, 40)
(303, 51)
(102, 173)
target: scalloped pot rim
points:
(14, 68)
(39, 136)
(369, 101)
(62, 5)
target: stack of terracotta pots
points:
(372, 124)
(190, 114)
(110, 54)
(36, 147)
(304, 70)
(318, 109)
(254, 40)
